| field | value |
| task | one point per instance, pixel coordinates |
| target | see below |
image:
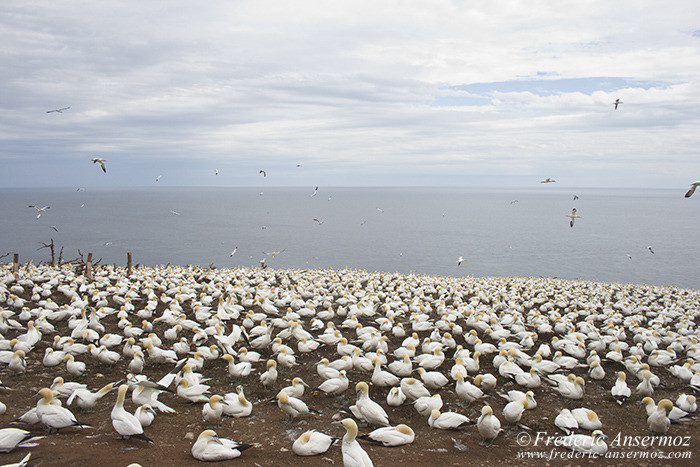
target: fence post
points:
(88, 267)
(15, 264)
(128, 264)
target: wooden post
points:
(88, 267)
(128, 264)
(15, 264)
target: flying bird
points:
(315, 192)
(512, 202)
(460, 260)
(548, 180)
(380, 209)
(274, 253)
(234, 251)
(58, 110)
(298, 165)
(318, 221)
(693, 187)
(575, 197)
(39, 210)
(54, 227)
(263, 172)
(158, 177)
(650, 249)
(174, 213)
(216, 171)
(82, 188)
(617, 102)
(572, 216)
(97, 160)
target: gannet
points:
(269, 377)
(448, 420)
(337, 385)
(22, 463)
(620, 391)
(11, 438)
(425, 405)
(125, 423)
(645, 388)
(39, 210)
(53, 416)
(391, 436)
(548, 180)
(145, 414)
(486, 381)
(586, 444)
(413, 389)
(65, 389)
(193, 393)
(353, 454)
(566, 421)
(395, 397)
(460, 260)
(366, 409)
(381, 377)
(617, 102)
(237, 405)
(658, 421)
(210, 448)
(86, 399)
(587, 419)
(693, 187)
(311, 443)
(572, 216)
(98, 160)
(58, 110)
(513, 410)
(488, 425)
(296, 389)
(402, 367)
(687, 403)
(291, 405)
(212, 410)
(596, 371)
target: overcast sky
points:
(465, 93)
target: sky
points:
(350, 93)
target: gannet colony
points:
(181, 365)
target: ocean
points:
(499, 232)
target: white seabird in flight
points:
(39, 210)
(263, 172)
(318, 221)
(460, 260)
(650, 249)
(58, 110)
(234, 251)
(274, 253)
(158, 177)
(547, 180)
(572, 216)
(315, 192)
(98, 160)
(693, 187)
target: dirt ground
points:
(174, 434)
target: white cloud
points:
(356, 88)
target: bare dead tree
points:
(50, 246)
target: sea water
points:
(499, 232)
